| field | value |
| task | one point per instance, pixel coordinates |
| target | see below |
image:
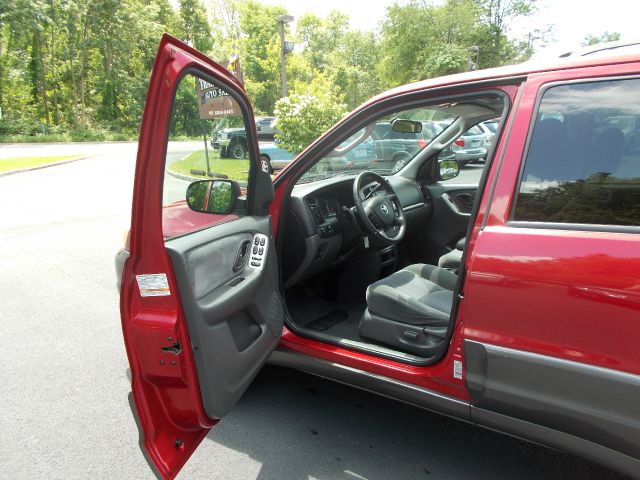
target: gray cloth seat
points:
(410, 309)
(419, 294)
(453, 259)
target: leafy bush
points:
(304, 117)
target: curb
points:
(186, 177)
(47, 165)
(191, 179)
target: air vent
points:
(316, 213)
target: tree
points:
(194, 25)
(260, 53)
(345, 57)
(605, 37)
(82, 66)
(303, 117)
(320, 38)
(492, 39)
(351, 67)
(421, 40)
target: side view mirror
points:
(213, 196)
(448, 169)
(406, 126)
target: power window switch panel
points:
(259, 250)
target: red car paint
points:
(164, 385)
(178, 219)
(564, 274)
(517, 288)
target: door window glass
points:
(207, 141)
(583, 161)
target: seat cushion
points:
(418, 294)
(451, 260)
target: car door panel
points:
(461, 201)
(451, 212)
(551, 308)
(195, 333)
(235, 316)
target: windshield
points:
(384, 147)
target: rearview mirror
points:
(213, 196)
(448, 169)
(406, 126)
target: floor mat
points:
(327, 321)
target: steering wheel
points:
(380, 214)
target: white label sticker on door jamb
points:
(153, 285)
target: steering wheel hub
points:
(379, 212)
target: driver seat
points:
(410, 309)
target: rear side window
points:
(583, 161)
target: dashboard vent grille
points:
(316, 213)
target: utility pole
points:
(285, 47)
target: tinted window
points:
(583, 161)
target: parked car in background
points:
(491, 125)
(487, 133)
(273, 157)
(470, 146)
(265, 128)
(231, 142)
(360, 157)
(394, 148)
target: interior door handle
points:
(241, 256)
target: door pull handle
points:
(241, 256)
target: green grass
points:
(8, 164)
(84, 136)
(232, 168)
(70, 137)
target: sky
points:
(573, 19)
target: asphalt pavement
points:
(64, 380)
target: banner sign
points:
(215, 102)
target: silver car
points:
(265, 128)
(489, 130)
(470, 146)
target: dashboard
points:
(321, 231)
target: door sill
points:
(364, 347)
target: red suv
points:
(533, 332)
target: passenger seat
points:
(451, 261)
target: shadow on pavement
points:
(298, 426)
